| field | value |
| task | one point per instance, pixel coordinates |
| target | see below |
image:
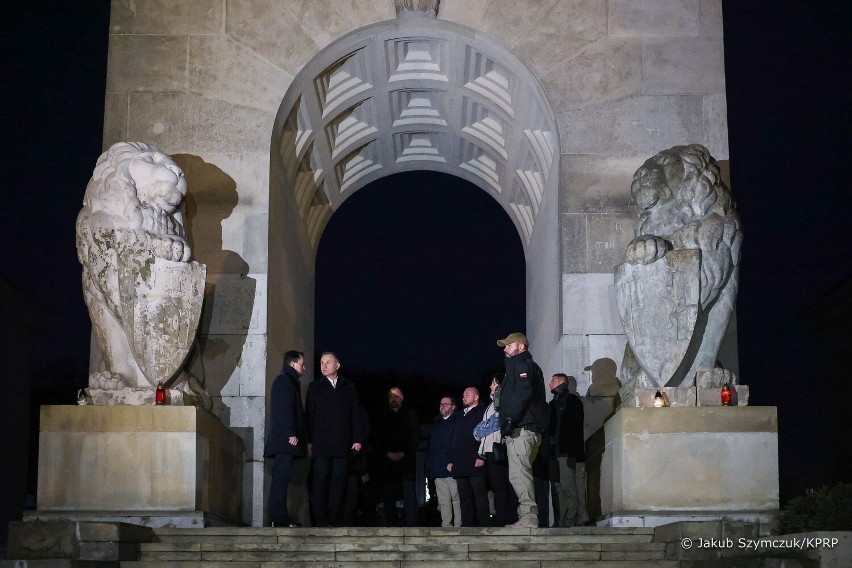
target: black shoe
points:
(286, 524)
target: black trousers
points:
(282, 473)
(473, 500)
(505, 500)
(328, 482)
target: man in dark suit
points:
(568, 452)
(285, 439)
(334, 430)
(396, 442)
(467, 466)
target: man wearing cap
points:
(523, 420)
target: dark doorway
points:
(417, 276)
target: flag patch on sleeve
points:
(523, 375)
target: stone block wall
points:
(203, 81)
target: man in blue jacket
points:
(285, 439)
(523, 421)
(440, 439)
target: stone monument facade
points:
(612, 81)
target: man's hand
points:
(356, 446)
(395, 456)
(449, 467)
(479, 462)
(294, 441)
(310, 450)
(507, 428)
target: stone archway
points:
(415, 93)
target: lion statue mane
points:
(683, 204)
(132, 214)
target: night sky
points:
(787, 69)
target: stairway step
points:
(561, 563)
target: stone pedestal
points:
(653, 466)
(150, 465)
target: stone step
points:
(410, 563)
(368, 551)
(470, 547)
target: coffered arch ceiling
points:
(416, 93)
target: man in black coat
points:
(396, 443)
(567, 451)
(334, 430)
(467, 466)
(523, 421)
(285, 439)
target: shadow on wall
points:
(600, 403)
(229, 293)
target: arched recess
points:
(415, 93)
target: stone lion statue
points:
(143, 293)
(681, 275)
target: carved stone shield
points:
(658, 304)
(161, 306)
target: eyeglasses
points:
(445, 404)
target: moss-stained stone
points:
(564, 31)
(683, 66)
(115, 119)
(653, 17)
(221, 68)
(609, 70)
(466, 12)
(597, 184)
(608, 237)
(573, 229)
(638, 125)
(165, 69)
(715, 118)
(176, 122)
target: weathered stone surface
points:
(683, 66)
(609, 70)
(225, 194)
(147, 458)
(466, 12)
(143, 294)
(659, 305)
(713, 446)
(715, 118)
(511, 20)
(654, 17)
(134, 396)
(231, 365)
(574, 247)
(165, 17)
(165, 70)
(245, 415)
(236, 304)
(28, 540)
(608, 235)
(223, 69)
(595, 184)
(188, 123)
(115, 119)
(566, 30)
(710, 18)
(679, 271)
(639, 124)
(588, 302)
